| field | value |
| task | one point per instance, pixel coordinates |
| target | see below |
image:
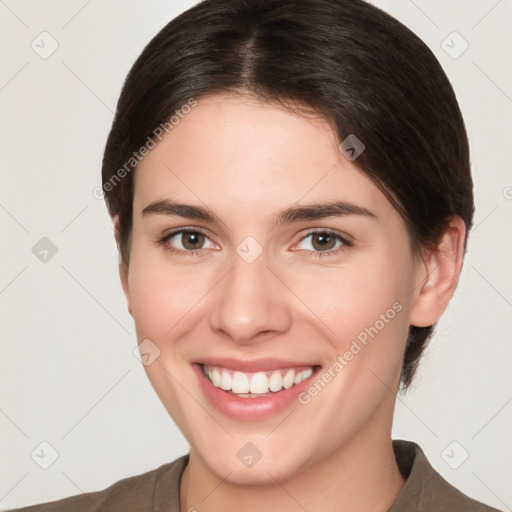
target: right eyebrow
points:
(188, 211)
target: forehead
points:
(251, 157)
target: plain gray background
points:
(68, 374)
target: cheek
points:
(163, 297)
(347, 300)
(362, 310)
(164, 302)
(161, 293)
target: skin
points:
(247, 161)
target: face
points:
(259, 299)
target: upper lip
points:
(254, 365)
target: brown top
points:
(158, 490)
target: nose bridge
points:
(250, 298)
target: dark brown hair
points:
(346, 60)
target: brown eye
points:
(324, 243)
(192, 240)
(186, 242)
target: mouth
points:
(253, 396)
(256, 384)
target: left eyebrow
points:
(314, 211)
(317, 211)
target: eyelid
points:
(185, 229)
(347, 239)
(346, 242)
(165, 237)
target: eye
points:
(325, 242)
(187, 242)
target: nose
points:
(251, 301)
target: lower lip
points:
(250, 409)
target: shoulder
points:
(134, 493)
(425, 489)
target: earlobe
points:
(438, 275)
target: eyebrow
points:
(289, 215)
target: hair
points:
(346, 60)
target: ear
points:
(123, 268)
(438, 275)
(123, 274)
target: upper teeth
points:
(258, 383)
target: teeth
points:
(306, 373)
(240, 383)
(215, 377)
(275, 382)
(225, 381)
(288, 379)
(258, 383)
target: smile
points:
(268, 389)
(249, 385)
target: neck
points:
(362, 476)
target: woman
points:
(290, 187)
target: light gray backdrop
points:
(69, 378)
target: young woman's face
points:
(255, 292)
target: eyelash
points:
(332, 252)
(164, 239)
(315, 254)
